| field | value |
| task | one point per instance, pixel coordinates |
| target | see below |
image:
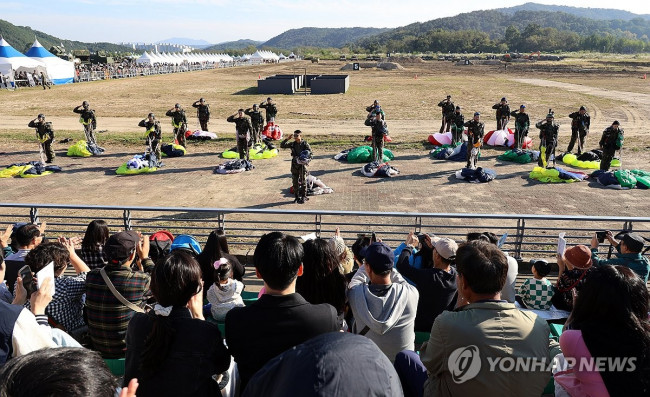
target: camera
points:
(601, 236)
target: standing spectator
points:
(384, 305)
(171, 350)
(92, 246)
(628, 253)
(216, 247)
(537, 292)
(574, 266)
(108, 317)
(280, 318)
(224, 293)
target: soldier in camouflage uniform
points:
(179, 122)
(447, 108)
(257, 122)
(475, 131)
(88, 120)
(371, 107)
(379, 130)
(243, 132)
(271, 109)
(579, 129)
(502, 113)
(522, 122)
(548, 132)
(203, 113)
(457, 121)
(298, 171)
(45, 136)
(611, 141)
(376, 110)
(153, 135)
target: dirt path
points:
(611, 94)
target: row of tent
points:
(36, 59)
(151, 58)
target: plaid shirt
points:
(66, 308)
(536, 293)
(108, 318)
(94, 259)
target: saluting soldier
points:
(447, 108)
(45, 136)
(548, 132)
(271, 109)
(580, 122)
(475, 132)
(522, 123)
(179, 122)
(203, 113)
(379, 130)
(257, 122)
(610, 142)
(371, 107)
(153, 135)
(243, 132)
(502, 113)
(298, 171)
(457, 121)
(88, 120)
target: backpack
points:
(160, 244)
(186, 242)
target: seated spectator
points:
(384, 305)
(92, 246)
(482, 320)
(171, 350)
(66, 308)
(225, 292)
(70, 372)
(343, 253)
(628, 253)
(435, 281)
(574, 266)
(609, 321)
(216, 247)
(5, 294)
(26, 238)
(508, 292)
(332, 364)
(321, 280)
(108, 317)
(536, 292)
(279, 319)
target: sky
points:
(224, 20)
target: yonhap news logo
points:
(464, 363)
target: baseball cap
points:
(503, 99)
(579, 256)
(120, 246)
(582, 108)
(633, 241)
(446, 247)
(522, 107)
(378, 256)
(177, 106)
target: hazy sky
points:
(225, 20)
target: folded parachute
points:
(199, 135)
(521, 156)
(556, 175)
(623, 179)
(452, 153)
(505, 138)
(477, 175)
(139, 164)
(587, 160)
(32, 169)
(361, 154)
(440, 139)
(376, 169)
(172, 150)
(83, 149)
(234, 167)
(259, 151)
(315, 187)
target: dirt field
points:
(331, 123)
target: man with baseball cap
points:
(108, 318)
(384, 305)
(437, 284)
(629, 246)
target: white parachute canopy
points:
(12, 61)
(59, 70)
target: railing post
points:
(418, 224)
(126, 216)
(33, 215)
(519, 238)
(318, 224)
(221, 221)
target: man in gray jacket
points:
(384, 305)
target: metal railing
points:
(528, 235)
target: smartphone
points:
(25, 273)
(601, 236)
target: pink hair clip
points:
(221, 261)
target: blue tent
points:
(59, 71)
(12, 61)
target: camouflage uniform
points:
(503, 114)
(448, 108)
(611, 141)
(203, 114)
(89, 122)
(154, 136)
(475, 131)
(522, 123)
(179, 122)
(243, 131)
(379, 130)
(45, 136)
(298, 171)
(579, 130)
(257, 123)
(548, 138)
(457, 121)
(271, 111)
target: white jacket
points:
(225, 298)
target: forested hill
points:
(22, 37)
(591, 13)
(320, 37)
(233, 45)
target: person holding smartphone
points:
(629, 249)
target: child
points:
(225, 293)
(537, 292)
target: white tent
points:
(59, 71)
(145, 59)
(12, 61)
(264, 56)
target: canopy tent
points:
(264, 56)
(59, 71)
(12, 61)
(145, 59)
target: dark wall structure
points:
(289, 84)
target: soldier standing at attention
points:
(457, 121)
(447, 107)
(580, 122)
(243, 132)
(548, 132)
(271, 109)
(179, 121)
(611, 141)
(203, 113)
(379, 130)
(257, 122)
(475, 131)
(503, 113)
(154, 135)
(45, 135)
(522, 122)
(88, 120)
(298, 171)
